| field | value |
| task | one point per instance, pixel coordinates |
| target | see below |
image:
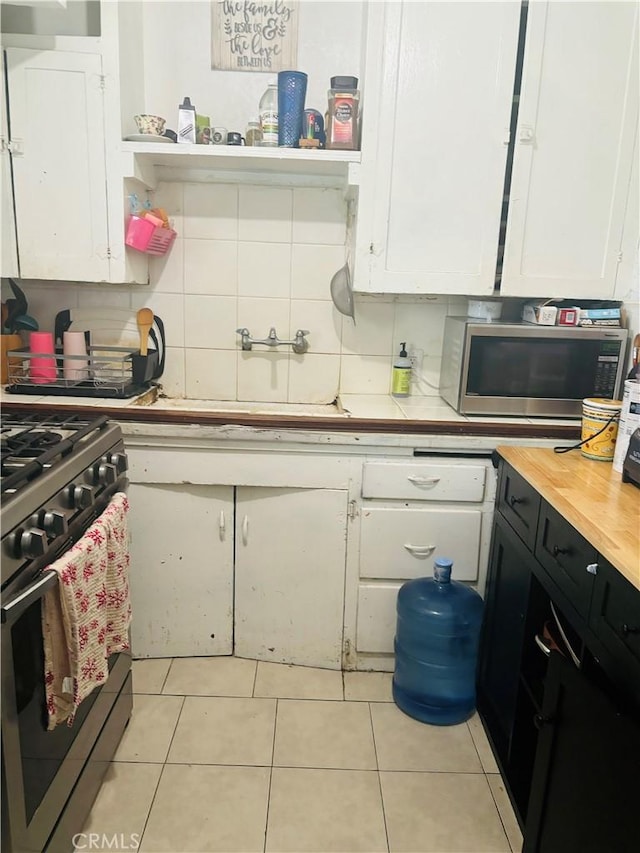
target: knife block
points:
(144, 366)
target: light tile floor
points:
(225, 754)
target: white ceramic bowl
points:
(153, 125)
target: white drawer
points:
(424, 481)
(376, 617)
(402, 543)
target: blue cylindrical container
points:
(292, 90)
(436, 646)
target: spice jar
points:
(343, 114)
(253, 135)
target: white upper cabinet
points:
(438, 88)
(573, 150)
(58, 154)
(9, 255)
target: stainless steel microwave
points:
(528, 370)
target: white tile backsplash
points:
(211, 374)
(211, 211)
(258, 257)
(319, 216)
(166, 272)
(372, 333)
(211, 322)
(312, 268)
(263, 375)
(259, 315)
(265, 214)
(264, 269)
(211, 267)
(314, 378)
(365, 374)
(322, 321)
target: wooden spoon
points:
(144, 318)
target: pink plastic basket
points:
(144, 236)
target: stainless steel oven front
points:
(528, 370)
(50, 778)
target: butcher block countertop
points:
(592, 498)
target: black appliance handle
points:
(161, 346)
(23, 600)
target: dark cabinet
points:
(584, 791)
(559, 679)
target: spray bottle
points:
(401, 379)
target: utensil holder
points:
(144, 366)
(144, 236)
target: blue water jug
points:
(436, 646)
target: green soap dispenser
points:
(401, 380)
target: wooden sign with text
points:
(247, 35)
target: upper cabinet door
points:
(57, 141)
(438, 87)
(9, 256)
(573, 150)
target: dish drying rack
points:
(106, 371)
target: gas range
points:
(57, 475)
(54, 469)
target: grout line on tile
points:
(166, 677)
(375, 749)
(495, 803)
(255, 678)
(153, 799)
(273, 750)
(175, 729)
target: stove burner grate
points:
(32, 443)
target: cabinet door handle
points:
(526, 135)
(222, 527)
(556, 551)
(540, 720)
(424, 481)
(629, 629)
(245, 530)
(513, 500)
(420, 550)
(542, 645)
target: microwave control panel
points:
(607, 369)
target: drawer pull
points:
(514, 500)
(420, 550)
(424, 481)
(540, 720)
(629, 629)
(556, 551)
(542, 645)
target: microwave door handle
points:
(21, 602)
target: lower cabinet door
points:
(181, 570)
(290, 575)
(502, 634)
(584, 792)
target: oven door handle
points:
(16, 606)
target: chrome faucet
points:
(299, 345)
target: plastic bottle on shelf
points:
(269, 115)
(401, 380)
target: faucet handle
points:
(301, 333)
(243, 331)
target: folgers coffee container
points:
(342, 129)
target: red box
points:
(568, 316)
